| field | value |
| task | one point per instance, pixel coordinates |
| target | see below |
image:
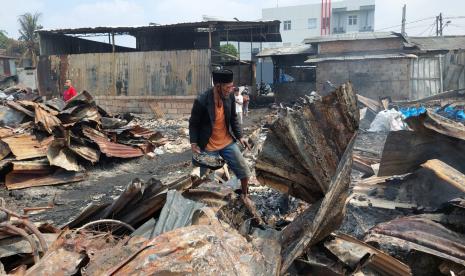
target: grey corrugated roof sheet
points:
(436, 43)
(345, 57)
(290, 50)
(199, 24)
(351, 36)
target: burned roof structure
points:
(181, 36)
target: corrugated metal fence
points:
(154, 73)
(426, 71)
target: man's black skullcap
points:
(222, 76)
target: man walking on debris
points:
(214, 127)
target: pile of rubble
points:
(194, 225)
(405, 215)
(52, 142)
(410, 202)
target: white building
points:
(303, 21)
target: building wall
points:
(27, 77)
(246, 76)
(169, 106)
(154, 73)
(344, 46)
(371, 78)
(299, 15)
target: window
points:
(312, 23)
(352, 20)
(287, 25)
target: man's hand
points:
(245, 143)
(195, 148)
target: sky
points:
(87, 13)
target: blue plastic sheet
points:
(453, 113)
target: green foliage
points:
(29, 24)
(229, 49)
(3, 40)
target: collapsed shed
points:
(169, 66)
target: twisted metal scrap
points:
(13, 226)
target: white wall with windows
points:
(303, 21)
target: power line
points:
(430, 27)
(416, 21)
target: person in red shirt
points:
(70, 92)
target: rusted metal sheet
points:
(447, 173)
(111, 149)
(15, 181)
(65, 256)
(420, 234)
(198, 250)
(323, 217)
(312, 139)
(85, 152)
(20, 108)
(47, 119)
(84, 113)
(27, 146)
(59, 155)
(357, 254)
(151, 73)
(404, 151)
(443, 125)
(4, 150)
(6, 132)
(138, 131)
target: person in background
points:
(69, 92)
(239, 103)
(245, 106)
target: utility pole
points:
(441, 26)
(404, 11)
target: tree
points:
(3, 40)
(13, 47)
(29, 24)
(229, 49)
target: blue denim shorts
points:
(233, 157)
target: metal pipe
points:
(23, 233)
(35, 231)
(441, 81)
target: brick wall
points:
(371, 78)
(170, 106)
(345, 46)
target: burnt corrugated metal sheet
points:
(138, 131)
(195, 250)
(154, 73)
(420, 234)
(27, 146)
(109, 148)
(177, 212)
